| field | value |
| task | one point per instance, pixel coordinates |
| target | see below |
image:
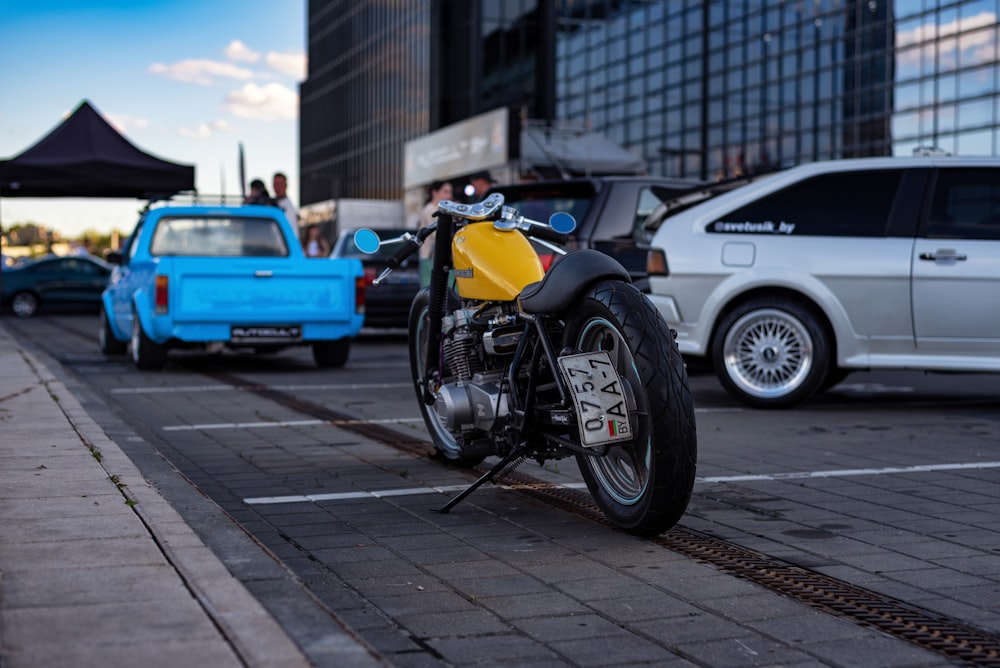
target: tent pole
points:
(1, 239)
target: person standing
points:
(481, 182)
(258, 194)
(314, 244)
(280, 184)
(438, 190)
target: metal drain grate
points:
(920, 627)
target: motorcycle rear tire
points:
(642, 485)
(444, 441)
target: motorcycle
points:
(521, 363)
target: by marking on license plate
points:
(240, 333)
(597, 393)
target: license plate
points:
(265, 333)
(597, 393)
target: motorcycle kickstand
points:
(512, 456)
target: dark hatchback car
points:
(71, 283)
(387, 305)
(610, 211)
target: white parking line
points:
(791, 475)
(189, 389)
(288, 423)
(283, 423)
(238, 388)
(408, 491)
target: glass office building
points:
(366, 93)
(697, 89)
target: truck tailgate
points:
(256, 291)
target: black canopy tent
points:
(85, 157)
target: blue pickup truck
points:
(218, 277)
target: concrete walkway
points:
(96, 568)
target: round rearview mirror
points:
(366, 240)
(562, 222)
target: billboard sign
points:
(479, 143)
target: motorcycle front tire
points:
(444, 441)
(642, 485)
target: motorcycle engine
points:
(474, 346)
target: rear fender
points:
(109, 309)
(567, 279)
(146, 317)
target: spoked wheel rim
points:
(134, 344)
(768, 353)
(24, 305)
(102, 332)
(624, 471)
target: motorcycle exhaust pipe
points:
(502, 340)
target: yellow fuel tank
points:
(492, 264)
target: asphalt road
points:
(856, 530)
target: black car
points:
(387, 305)
(610, 212)
(73, 282)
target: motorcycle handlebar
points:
(542, 231)
(537, 229)
(528, 227)
(409, 247)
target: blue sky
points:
(185, 80)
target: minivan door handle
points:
(944, 255)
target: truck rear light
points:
(656, 262)
(359, 294)
(370, 275)
(161, 301)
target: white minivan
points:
(791, 282)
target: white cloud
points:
(925, 31)
(975, 47)
(205, 130)
(200, 71)
(292, 64)
(271, 102)
(239, 52)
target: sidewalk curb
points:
(254, 634)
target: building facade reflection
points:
(695, 89)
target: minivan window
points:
(855, 204)
(966, 204)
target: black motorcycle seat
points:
(567, 278)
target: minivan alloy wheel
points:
(770, 353)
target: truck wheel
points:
(24, 304)
(146, 353)
(329, 354)
(106, 338)
(771, 353)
